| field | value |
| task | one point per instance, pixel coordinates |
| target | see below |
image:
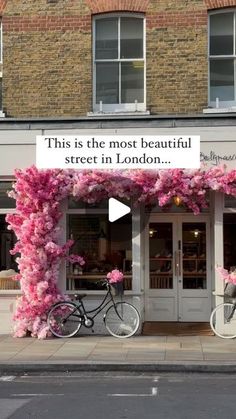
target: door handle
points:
(179, 261)
(176, 264)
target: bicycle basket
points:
(230, 290)
(117, 288)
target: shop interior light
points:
(177, 200)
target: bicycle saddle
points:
(79, 296)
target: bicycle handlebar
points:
(103, 282)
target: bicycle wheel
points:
(122, 320)
(221, 324)
(64, 319)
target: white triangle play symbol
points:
(116, 210)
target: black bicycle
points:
(121, 319)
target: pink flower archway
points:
(38, 196)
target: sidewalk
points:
(140, 353)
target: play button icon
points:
(116, 210)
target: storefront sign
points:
(218, 154)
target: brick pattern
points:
(170, 20)
(48, 62)
(83, 23)
(103, 6)
(47, 23)
(216, 4)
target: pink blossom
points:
(115, 276)
(38, 195)
(76, 259)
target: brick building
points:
(50, 58)
(126, 66)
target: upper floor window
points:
(119, 63)
(222, 59)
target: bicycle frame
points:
(100, 308)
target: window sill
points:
(98, 293)
(124, 113)
(231, 109)
(10, 292)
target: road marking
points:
(36, 394)
(7, 377)
(154, 393)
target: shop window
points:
(230, 241)
(222, 55)
(5, 200)
(119, 63)
(103, 245)
(8, 265)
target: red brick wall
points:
(48, 54)
(102, 6)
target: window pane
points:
(8, 266)
(5, 201)
(161, 255)
(131, 34)
(107, 83)
(103, 245)
(230, 241)
(106, 38)
(132, 82)
(221, 34)
(222, 80)
(194, 255)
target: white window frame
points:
(227, 105)
(120, 107)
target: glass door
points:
(178, 269)
(194, 256)
(161, 290)
(194, 290)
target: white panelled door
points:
(178, 286)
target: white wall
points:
(17, 147)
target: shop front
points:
(168, 255)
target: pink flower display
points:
(115, 276)
(38, 195)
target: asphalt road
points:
(117, 396)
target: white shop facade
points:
(168, 256)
